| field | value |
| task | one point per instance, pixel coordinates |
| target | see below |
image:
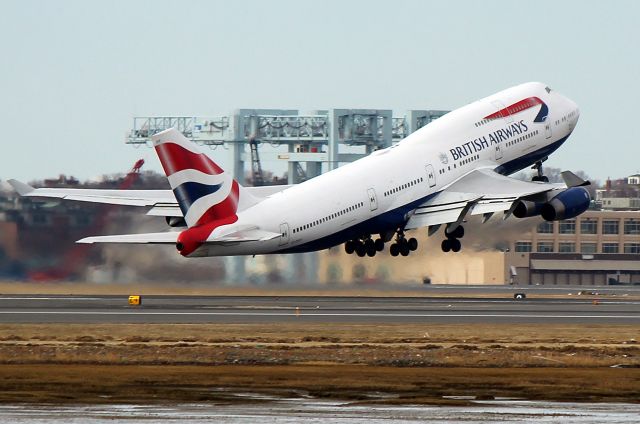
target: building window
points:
(588, 226)
(545, 246)
(632, 248)
(588, 247)
(631, 226)
(567, 227)
(523, 246)
(566, 247)
(610, 226)
(609, 247)
(545, 228)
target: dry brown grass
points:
(417, 363)
(380, 345)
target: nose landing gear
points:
(540, 177)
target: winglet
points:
(22, 188)
(572, 180)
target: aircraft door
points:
(373, 201)
(547, 127)
(284, 234)
(431, 175)
(498, 151)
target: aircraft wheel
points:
(371, 251)
(456, 245)
(413, 244)
(349, 247)
(446, 245)
(379, 244)
(361, 250)
(457, 233)
(369, 244)
(404, 249)
(543, 179)
(394, 249)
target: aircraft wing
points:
(163, 202)
(115, 197)
(481, 192)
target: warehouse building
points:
(597, 248)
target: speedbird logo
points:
(203, 190)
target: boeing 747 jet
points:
(453, 168)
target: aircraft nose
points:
(574, 113)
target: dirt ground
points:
(364, 363)
(363, 384)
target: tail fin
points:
(204, 192)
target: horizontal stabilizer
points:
(169, 237)
(245, 235)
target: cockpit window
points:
(548, 89)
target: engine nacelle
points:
(176, 221)
(527, 208)
(568, 204)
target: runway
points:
(315, 309)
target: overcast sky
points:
(74, 73)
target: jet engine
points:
(176, 221)
(527, 208)
(568, 204)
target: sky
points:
(75, 73)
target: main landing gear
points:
(366, 246)
(451, 243)
(402, 246)
(540, 177)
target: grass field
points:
(365, 363)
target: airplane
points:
(451, 169)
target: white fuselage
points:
(375, 194)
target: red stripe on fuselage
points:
(515, 108)
(175, 158)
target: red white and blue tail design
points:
(203, 190)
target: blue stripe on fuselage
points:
(395, 218)
(387, 221)
(542, 115)
(187, 193)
